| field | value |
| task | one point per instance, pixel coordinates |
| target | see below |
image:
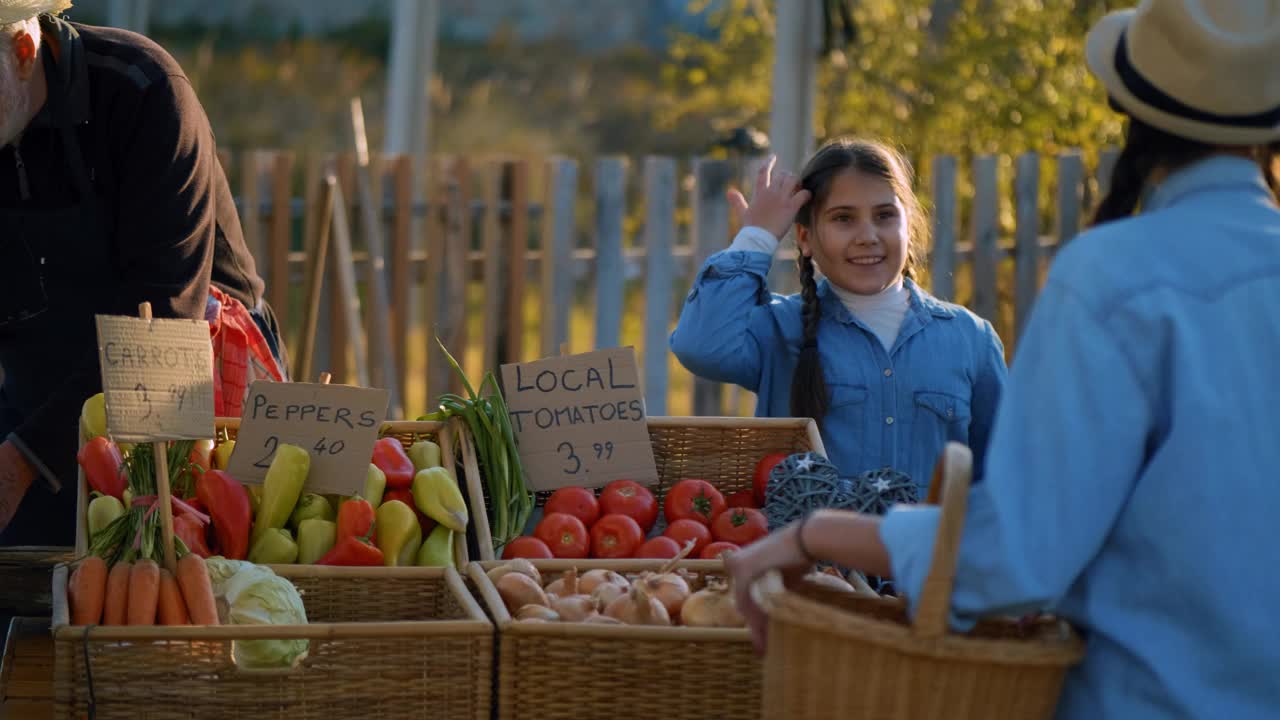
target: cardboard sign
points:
(579, 420)
(157, 378)
(336, 424)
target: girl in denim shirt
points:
(890, 372)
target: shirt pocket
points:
(939, 418)
(844, 426)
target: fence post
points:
(659, 237)
(401, 175)
(1027, 255)
(942, 267)
(611, 282)
(557, 254)
(495, 261)
(281, 235)
(711, 232)
(986, 228)
(511, 349)
(1070, 196)
(342, 337)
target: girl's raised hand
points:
(775, 202)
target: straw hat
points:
(1206, 70)
(12, 11)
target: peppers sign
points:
(336, 424)
(157, 378)
(580, 420)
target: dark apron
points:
(56, 273)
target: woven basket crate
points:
(833, 655)
(721, 450)
(384, 643)
(571, 671)
(407, 432)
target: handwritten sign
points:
(336, 424)
(157, 378)
(579, 419)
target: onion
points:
(829, 581)
(593, 579)
(670, 589)
(598, 619)
(537, 613)
(567, 584)
(712, 606)
(638, 608)
(606, 593)
(518, 565)
(574, 608)
(518, 590)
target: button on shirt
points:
(1133, 476)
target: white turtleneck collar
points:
(883, 312)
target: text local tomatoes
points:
(694, 500)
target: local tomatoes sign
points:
(579, 419)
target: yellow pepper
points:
(281, 488)
(315, 538)
(424, 454)
(375, 484)
(436, 494)
(311, 505)
(437, 549)
(398, 532)
(274, 547)
(222, 454)
(93, 417)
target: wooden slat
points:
(318, 253)
(512, 349)
(401, 177)
(659, 236)
(495, 261)
(1027, 254)
(251, 205)
(986, 229)
(610, 193)
(340, 334)
(346, 294)
(711, 233)
(281, 235)
(446, 283)
(317, 167)
(557, 246)
(456, 263)
(1070, 196)
(942, 266)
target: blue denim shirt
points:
(1133, 476)
(941, 380)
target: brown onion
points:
(712, 606)
(670, 589)
(638, 608)
(829, 581)
(593, 579)
(598, 619)
(518, 590)
(518, 565)
(537, 613)
(606, 593)
(574, 608)
(567, 584)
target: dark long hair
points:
(808, 386)
(1147, 148)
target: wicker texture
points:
(27, 572)
(571, 671)
(421, 648)
(838, 656)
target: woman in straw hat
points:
(1133, 474)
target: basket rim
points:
(505, 624)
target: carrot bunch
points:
(141, 593)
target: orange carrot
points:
(87, 591)
(144, 592)
(117, 602)
(171, 609)
(193, 578)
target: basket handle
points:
(951, 478)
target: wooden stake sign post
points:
(157, 379)
(580, 420)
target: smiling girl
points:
(889, 372)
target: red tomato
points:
(564, 534)
(760, 482)
(716, 549)
(627, 497)
(694, 500)
(659, 547)
(744, 498)
(526, 546)
(576, 501)
(682, 531)
(741, 526)
(615, 536)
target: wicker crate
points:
(570, 671)
(832, 655)
(384, 643)
(721, 450)
(407, 432)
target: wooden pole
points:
(161, 451)
(315, 283)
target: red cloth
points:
(241, 354)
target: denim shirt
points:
(940, 381)
(1133, 475)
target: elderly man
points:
(110, 194)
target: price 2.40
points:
(322, 447)
(573, 463)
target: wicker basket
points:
(407, 432)
(571, 671)
(840, 656)
(384, 643)
(25, 575)
(721, 450)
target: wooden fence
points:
(508, 259)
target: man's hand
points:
(16, 476)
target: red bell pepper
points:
(103, 467)
(394, 462)
(355, 519)
(352, 550)
(228, 503)
(191, 531)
